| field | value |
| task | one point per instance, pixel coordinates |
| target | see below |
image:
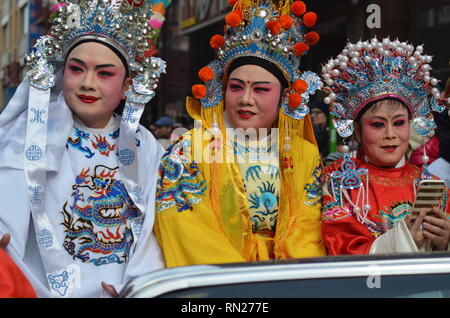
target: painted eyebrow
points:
(385, 119)
(254, 83)
(74, 59)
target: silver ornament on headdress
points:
(377, 70)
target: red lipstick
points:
(389, 148)
(88, 99)
(246, 114)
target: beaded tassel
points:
(287, 161)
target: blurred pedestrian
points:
(163, 130)
(441, 166)
(320, 114)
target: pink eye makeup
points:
(106, 74)
(262, 89)
(258, 87)
(75, 68)
(399, 123)
(235, 87)
(376, 124)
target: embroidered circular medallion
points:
(45, 238)
(126, 156)
(137, 226)
(33, 153)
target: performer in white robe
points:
(77, 181)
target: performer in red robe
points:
(377, 90)
(391, 196)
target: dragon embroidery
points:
(264, 203)
(102, 145)
(80, 141)
(77, 141)
(97, 219)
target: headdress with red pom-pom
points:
(275, 31)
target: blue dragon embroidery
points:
(96, 220)
(78, 141)
(180, 183)
(100, 144)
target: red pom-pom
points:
(274, 27)
(300, 86)
(300, 48)
(311, 38)
(232, 2)
(294, 100)
(206, 74)
(216, 41)
(298, 8)
(233, 19)
(286, 22)
(199, 91)
(310, 19)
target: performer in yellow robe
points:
(236, 195)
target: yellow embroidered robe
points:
(203, 212)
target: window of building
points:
(5, 8)
(24, 17)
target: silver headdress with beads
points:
(374, 70)
(123, 24)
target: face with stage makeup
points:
(383, 131)
(94, 83)
(252, 97)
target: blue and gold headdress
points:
(270, 30)
(372, 70)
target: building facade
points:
(22, 22)
(191, 23)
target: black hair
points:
(111, 47)
(375, 103)
(268, 66)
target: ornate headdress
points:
(129, 28)
(372, 70)
(126, 25)
(270, 30)
(272, 34)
